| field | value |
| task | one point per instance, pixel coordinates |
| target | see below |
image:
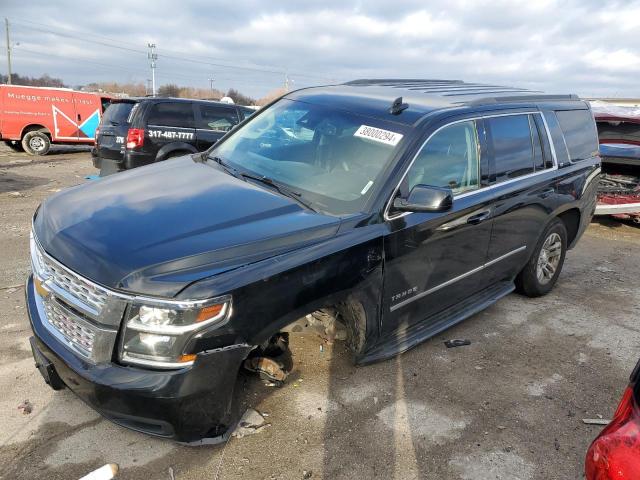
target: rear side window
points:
(579, 133)
(214, 117)
(168, 114)
(449, 159)
(117, 113)
(246, 112)
(512, 146)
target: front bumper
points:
(185, 405)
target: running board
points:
(404, 339)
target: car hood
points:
(156, 229)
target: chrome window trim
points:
(469, 193)
(455, 279)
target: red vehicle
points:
(615, 454)
(32, 118)
(619, 136)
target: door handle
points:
(479, 217)
(547, 192)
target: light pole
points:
(6, 28)
(211, 85)
(153, 56)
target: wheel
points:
(14, 145)
(541, 272)
(36, 143)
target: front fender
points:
(271, 294)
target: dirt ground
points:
(508, 406)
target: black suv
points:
(139, 131)
(396, 207)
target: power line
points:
(178, 55)
(168, 75)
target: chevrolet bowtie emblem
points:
(40, 288)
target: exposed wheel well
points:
(35, 128)
(571, 220)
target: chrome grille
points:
(72, 283)
(78, 334)
(80, 314)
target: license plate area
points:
(45, 367)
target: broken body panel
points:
(619, 137)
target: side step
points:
(401, 340)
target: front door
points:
(435, 260)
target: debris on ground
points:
(250, 423)
(307, 474)
(16, 194)
(26, 407)
(171, 474)
(106, 472)
(596, 421)
(457, 342)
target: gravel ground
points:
(508, 406)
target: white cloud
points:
(555, 45)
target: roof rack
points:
(479, 93)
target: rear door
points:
(169, 122)
(112, 133)
(214, 121)
(88, 110)
(524, 188)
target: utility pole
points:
(6, 28)
(211, 85)
(153, 56)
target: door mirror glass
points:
(425, 198)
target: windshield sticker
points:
(366, 187)
(378, 135)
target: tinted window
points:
(171, 115)
(213, 117)
(579, 133)
(117, 113)
(512, 148)
(449, 159)
(247, 112)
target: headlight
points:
(156, 334)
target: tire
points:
(14, 145)
(541, 272)
(36, 143)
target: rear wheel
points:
(14, 145)
(36, 143)
(541, 272)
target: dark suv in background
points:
(138, 131)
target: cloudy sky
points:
(590, 47)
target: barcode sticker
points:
(378, 135)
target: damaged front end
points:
(619, 137)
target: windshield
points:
(332, 158)
(117, 113)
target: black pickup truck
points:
(404, 206)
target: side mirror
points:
(424, 198)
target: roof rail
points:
(541, 97)
(391, 82)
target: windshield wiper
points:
(284, 190)
(228, 168)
